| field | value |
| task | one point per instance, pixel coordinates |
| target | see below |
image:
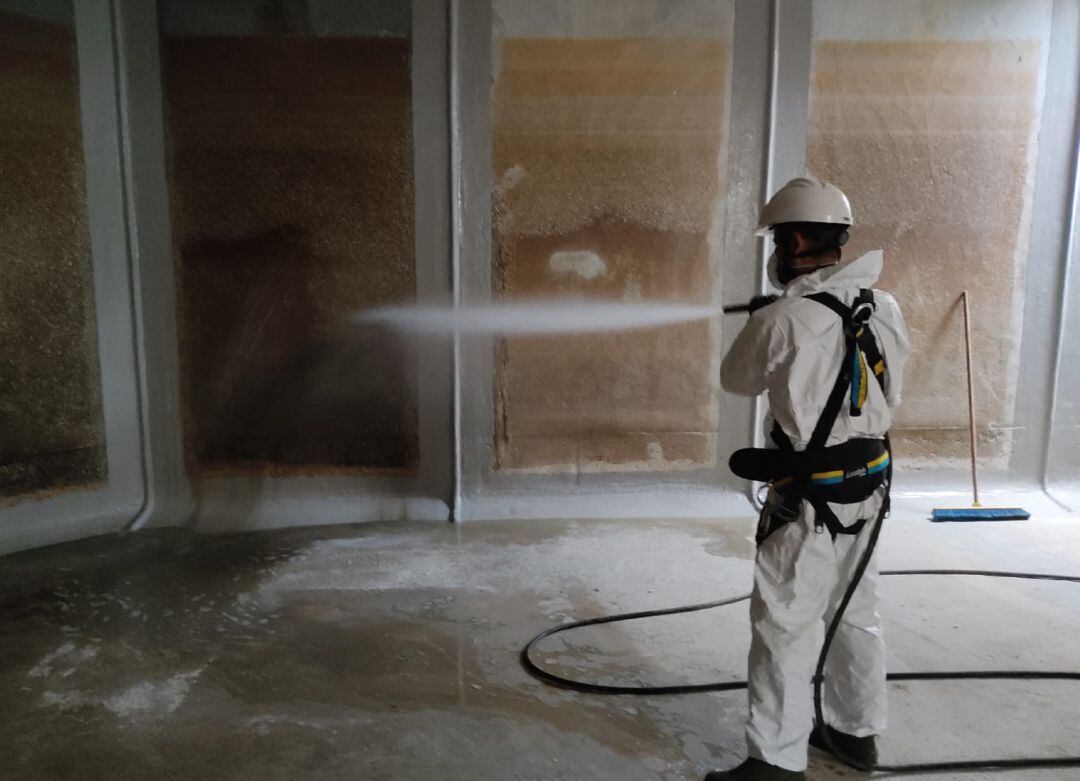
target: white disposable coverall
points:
(792, 350)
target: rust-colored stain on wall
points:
(932, 140)
(607, 168)
(52, 432)
(291, 183)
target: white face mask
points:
(774, 271)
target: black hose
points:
(719, 686)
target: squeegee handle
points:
(971, 401)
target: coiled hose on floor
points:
(927, 767)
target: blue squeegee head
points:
(981, 514)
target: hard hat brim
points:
(765, 230)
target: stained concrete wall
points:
(928, 115)
(323, 18)
(52, 431)
(292, 206)
(608, 155)
(270, 259)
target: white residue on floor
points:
(68, 656)
(154, 698)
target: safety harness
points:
(847, 473)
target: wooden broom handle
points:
(971, 400)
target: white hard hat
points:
(806, 199)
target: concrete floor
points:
(389, 651)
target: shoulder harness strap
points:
(862, 357)
(867, 359)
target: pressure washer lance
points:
(751, 306)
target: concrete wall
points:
(321, 18)
(609, 156)
(928, 116)
(292, 205)
(1063, 457)
(605, 149)
(68, 296)
(52, 427)
(1045, 445)
(1063, 449)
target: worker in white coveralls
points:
(829, 351)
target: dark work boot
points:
(756, 770)
(862, 750)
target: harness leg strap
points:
(825, 517)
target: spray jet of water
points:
(536, 317)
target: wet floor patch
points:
(366, 652)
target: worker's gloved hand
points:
(760, 302)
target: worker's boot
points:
(862, 750)
(756, 770)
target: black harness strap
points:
(857, 336)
